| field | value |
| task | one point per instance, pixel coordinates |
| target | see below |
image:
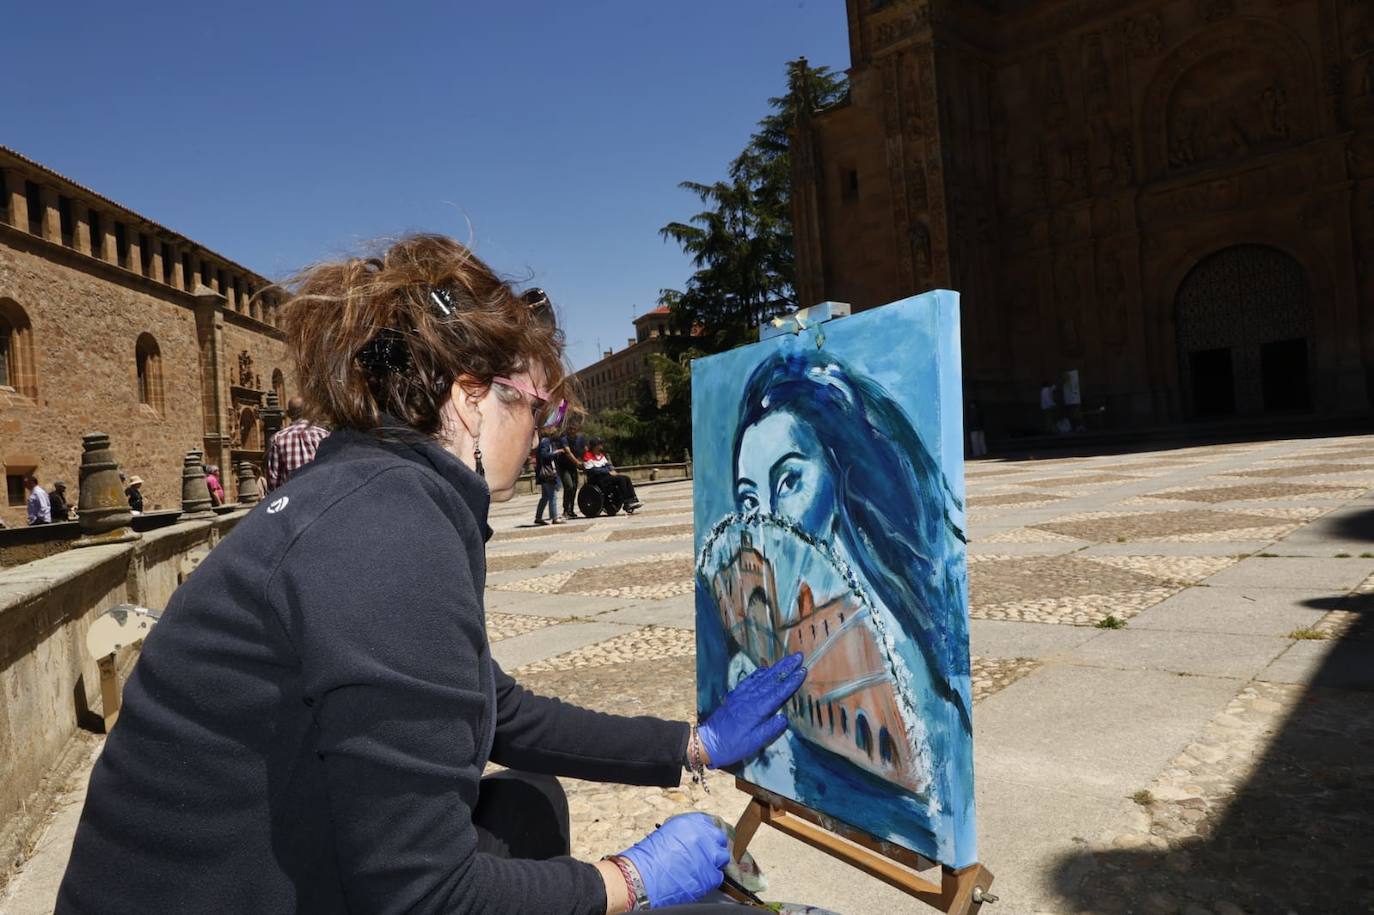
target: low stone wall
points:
(51, 686)
(640, 473)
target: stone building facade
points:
(1175, 197)
(617, 379)
(110, 322)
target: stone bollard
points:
(195, 496)
(248, 483)
(102, 508)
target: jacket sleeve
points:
(379, 598)
(539, 734)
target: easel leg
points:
(109, 690)
(748, 824)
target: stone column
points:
(155, 261)
(52, 218)
(81, 228)
(178, 274)
(103, 509)
(109, 251)
(213, 378)
(271, 419)
(135, 249)
(195, 496)
(248, 484)
(16, 205)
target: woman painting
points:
(831, 455)
(307, 727)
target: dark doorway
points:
(1244, 318)
(1213, 382)
(1283, 369)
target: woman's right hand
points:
(682, 860)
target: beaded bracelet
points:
(696, 761)
(634, 886)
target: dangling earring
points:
(477, 458)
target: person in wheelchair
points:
(602, 473)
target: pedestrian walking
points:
(1048, 408)
(213, 484)
(571, 446)
(307, 728)
(57, 500)
(135, 493)
(294, 446)
(40, 508)
(546, 475)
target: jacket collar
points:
(402, 441)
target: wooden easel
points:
(957, 892)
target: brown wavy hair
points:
(340, 310)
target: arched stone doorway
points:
(1243, 317)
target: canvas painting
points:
(829, 505)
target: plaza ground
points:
(1213, 753)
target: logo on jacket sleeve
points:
(278, 504)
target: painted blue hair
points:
(892, 498)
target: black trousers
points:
(522, 815)
(569, 477)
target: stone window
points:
(14, 490)
(279, 385)
(145, 254)
(863, 734)
(148, 358)
(17, 370)
(166, 263)
(64, 221)
(187, 271)
(34, 196)
(121, 245)
(844, 721)
(4, 197)
(97, 235)
(887, 750)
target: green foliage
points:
(1143, 797)
(1111, 622)
(741, 243)
(1315, 635)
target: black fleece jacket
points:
(308, 724)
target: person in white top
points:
(1048, 407)
(40, 509)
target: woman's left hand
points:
(748, 720)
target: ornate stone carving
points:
(1097, 75)
(1052, 89)
(1213, 10)
(894, 22)
(1240, 87)
(245, 370)
(1142, 34)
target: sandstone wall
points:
(49, 682)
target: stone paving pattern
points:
(1202, 759)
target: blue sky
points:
(552, 135)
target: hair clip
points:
(386, 352)
(443, 302)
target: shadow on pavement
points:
(1353, 526)
(1296, 836)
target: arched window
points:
(279, 385)
(830, 715)
(148, 360)
(887, 750)
(17, 369)
(844, 721)
(863, 734)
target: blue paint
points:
(856, 445)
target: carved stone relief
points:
(892, 22)
(1240, 87)
(1097, 75)
(1212, 10)
(1142, 34)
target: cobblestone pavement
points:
(1215, 754)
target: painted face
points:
(782, 470)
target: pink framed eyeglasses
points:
(544, 417)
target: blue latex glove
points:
(748, 720)
(682, 860)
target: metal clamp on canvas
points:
(830, 521)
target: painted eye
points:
(789, 483)
(748, 501)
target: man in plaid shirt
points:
(292, 446)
